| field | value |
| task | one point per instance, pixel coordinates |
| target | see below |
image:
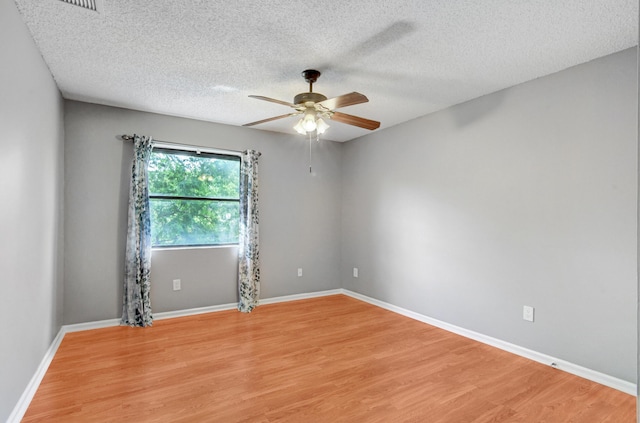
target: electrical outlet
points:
(355, 272)
(299, 271)
(527, 313)
(177, 285)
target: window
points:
(194, 198)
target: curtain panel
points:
(248, 248)
(136, 304)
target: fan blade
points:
(355, 121)
(270, 119)
(344, 101)
(273, 100)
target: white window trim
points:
(195, 148)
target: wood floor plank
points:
(330, 359)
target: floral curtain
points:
(248, 250)
(136, 304)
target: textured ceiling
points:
(201, 59)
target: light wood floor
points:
(330, 359)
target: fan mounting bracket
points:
(311, 75)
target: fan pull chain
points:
(310, 152)
(310, 146)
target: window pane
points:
(193, 222)
(189, 175)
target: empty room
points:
(399, 211)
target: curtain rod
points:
(185, 146)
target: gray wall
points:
(522, 197)
(31, 166)
(300, 214)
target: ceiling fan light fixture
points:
(299, 128)
(321, 126)
(309, 122)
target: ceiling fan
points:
(314, 107)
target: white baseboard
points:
(305, 296)
(26, 397)
(601, 378)
(193, 311)
(98, 324)
(610, 381)
(234, 306)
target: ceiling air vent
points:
(87, 4)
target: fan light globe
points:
(299, 128)
(321, 126)
(309, 122)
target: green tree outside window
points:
(194, 198)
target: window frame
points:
(180, 149)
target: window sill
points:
(193, 247)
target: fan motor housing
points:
(303, 98)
